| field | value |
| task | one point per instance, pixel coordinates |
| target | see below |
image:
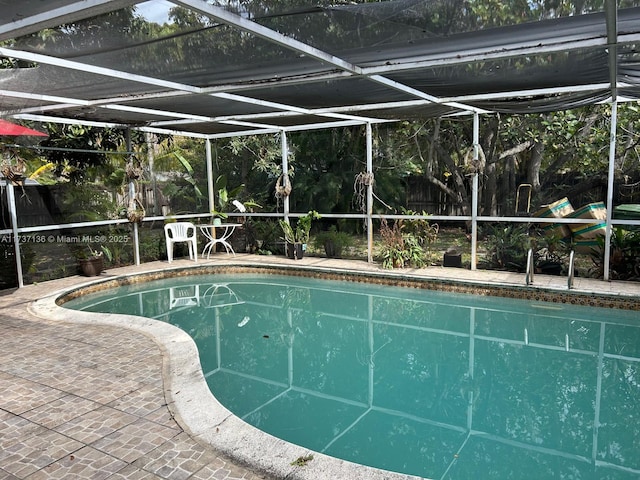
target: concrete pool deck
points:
(81, 398)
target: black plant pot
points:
(550, 268)
(332, 249)
(295, 250)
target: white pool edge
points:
(199, 413)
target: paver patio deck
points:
(88, 401)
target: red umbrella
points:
(8, 128)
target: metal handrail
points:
(571, 270)
(529, 275)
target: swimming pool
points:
(421, 382)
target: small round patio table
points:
(210, 231)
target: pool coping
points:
(206, 420)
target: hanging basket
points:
(283, 186)
(14, 172)
(136, 211)
(134, 170)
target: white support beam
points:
(228, 18)
(159, 113)
(43, 97)
(74, 121)
(499, 52)
(475, 192)
(611, 12)
(210, 185)
(57, 16)
(369, 219)
(87, 68)
(610, 179)
(284, 150)
(420, 94)
(11, 201)
(290, 109)
(67, 121)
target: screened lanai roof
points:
(220, 68)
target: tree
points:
(79, 152)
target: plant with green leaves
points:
(507, 246)
(302, 230)
(95, 252)
(226, 197)
(425, 232)
(399, 248)
(333, 241)
(624, 261)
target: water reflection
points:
(420, 382)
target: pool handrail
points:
(571, 270)
(529, 273)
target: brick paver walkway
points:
(88, 401)
(79, 401)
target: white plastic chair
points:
(181, 232)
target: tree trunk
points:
(490, 201)
(533, 170)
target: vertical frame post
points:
(285, 170)
(610, 178)
(210, 186)
(11, 200)
(474, 193)
(132, 196)
(369, 218)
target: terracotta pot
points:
(92, 266)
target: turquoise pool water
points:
(427, 383)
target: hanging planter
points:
(283, 186)
(13, 171)
(134, 169)
(135, 212)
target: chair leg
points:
(169, 251)
(195, 250)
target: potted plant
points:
(332, 241)
(296, 239)
(225, 197)
(92, 263)
(13, 168)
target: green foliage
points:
(265, 150)
(91, 252)
(302, 460)
(224, 197)
(507, 246)
(333, 241)
(424, 232)
(551, 252)
(267, 235)
(89, 203)
(624, 260)
(302, 230)
(79, 156)
(407, 241)
(400, 249)
(183, 161)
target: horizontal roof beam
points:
(85, 67)
(57, 16)
(268, 34)
(228, 18)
